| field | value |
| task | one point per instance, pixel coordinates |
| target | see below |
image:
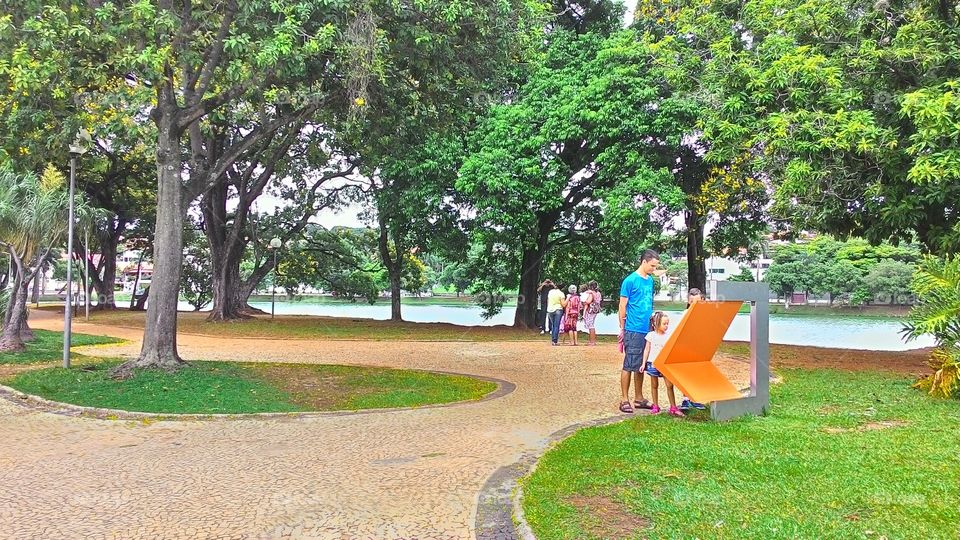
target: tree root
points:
(250, 310)
(128, 369)
(238, 315)
(12, 346)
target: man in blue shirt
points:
(636, 308)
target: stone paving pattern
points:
(411, 474)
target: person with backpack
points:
(592, 303)
(572, 314)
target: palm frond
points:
(937, 285)
(945, 380)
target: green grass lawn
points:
(841, 455)
(234, 388)
(49, 346)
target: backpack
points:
(573, 305)
(595, 305)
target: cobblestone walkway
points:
(413, 474)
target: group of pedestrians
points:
(643, 334)
(560, 314)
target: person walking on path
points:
(636, 308)
(573, 314)
(555, 304)
(592, 303)
(542, 292)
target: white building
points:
(723, 268)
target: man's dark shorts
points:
(633, 345)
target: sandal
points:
(645, 404)
(625, 407)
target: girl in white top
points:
(656, 339)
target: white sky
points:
(345, 218)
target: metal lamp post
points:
(77, 149)
(275, 245)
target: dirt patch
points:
(606, 518)
(9, 371)
(913, 362)
(884, 424)
(307, 386)
(869, 426)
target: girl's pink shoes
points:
(655, 409)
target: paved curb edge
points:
(499, 514)
(39, 404)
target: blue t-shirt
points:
(639, 293)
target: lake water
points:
(837, 332)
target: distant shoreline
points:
(875, 312)
(871, 312)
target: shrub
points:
(945, 381)
(937, 286)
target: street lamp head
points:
(276, 243)
(81, 143)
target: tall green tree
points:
(569, 164)
(295, 164)
(442, 61)
(725, 190)
(849, 108)
(412, 204)
(890, 279)
(50, 94)
(199, 59)
(33, 220)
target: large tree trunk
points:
(394, 267)
(141, 301)
(12, 338)
(249, 285)
(531, 266)
(696, 259)
(35, 295)
(227, 302)
(395, 314)
(160, 334)
(226, 250)
(105, 287)
(159, 348)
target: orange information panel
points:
(687, 358)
